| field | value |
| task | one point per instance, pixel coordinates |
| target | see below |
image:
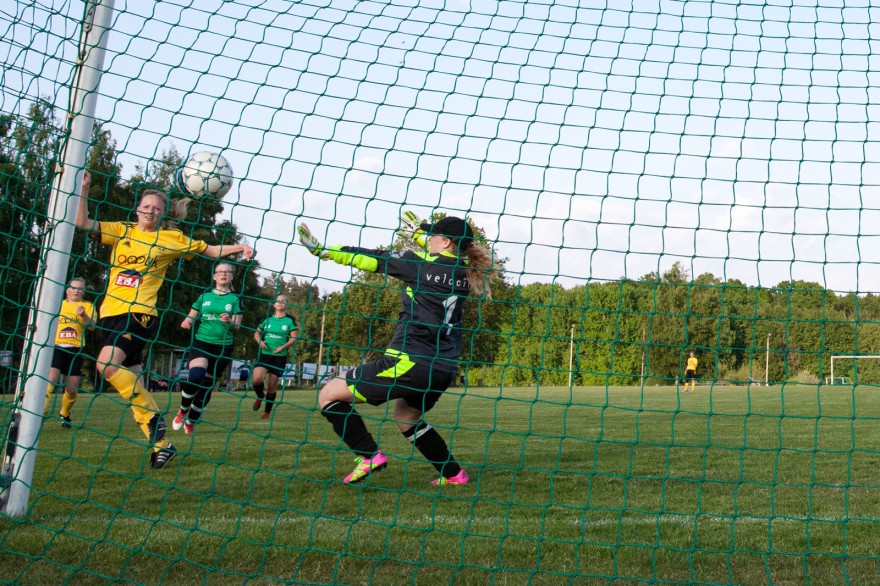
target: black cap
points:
(453, 228)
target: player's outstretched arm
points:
(220, 251)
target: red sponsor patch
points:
(123, 280)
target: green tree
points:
(28, 153)
(667, 329)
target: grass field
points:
(591, 486)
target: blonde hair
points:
(175, 209)
(483, 269)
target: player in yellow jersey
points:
(141, 254)
(75, 316)
(690, 373)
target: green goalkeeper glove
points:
(411, 225)
(311, 243)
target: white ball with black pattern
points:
(205, 174)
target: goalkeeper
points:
(422, 358)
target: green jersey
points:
(211, 306)
(276, 331)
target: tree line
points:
(619, 332)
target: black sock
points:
(270, 401)
(198, 404)
(349, 425)
(426, 439)
(187, 393)
(258, 389)
(192, 392)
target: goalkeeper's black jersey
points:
(430, 326)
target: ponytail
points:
(176, 212)
(483, 269)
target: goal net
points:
(856, 369)
(838, 380)
(655, 178)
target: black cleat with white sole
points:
(160, 459)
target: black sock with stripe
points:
(433, 447)
(349, 425)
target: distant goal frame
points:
(829, 380)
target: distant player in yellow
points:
(75, 316)
(690, 373)
(141, 254)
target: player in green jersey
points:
(218, 312)
(274, 336)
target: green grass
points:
(593, 486)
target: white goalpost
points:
(844, 380)
(21, 439)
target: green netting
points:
(658, 178)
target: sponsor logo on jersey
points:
(134, 259)
(68, 334)
(129, 278)
(446, 279)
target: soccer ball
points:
(203, 174)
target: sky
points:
(590, 140)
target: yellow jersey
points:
(71, 327)
(692, 364)
(139, 261)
